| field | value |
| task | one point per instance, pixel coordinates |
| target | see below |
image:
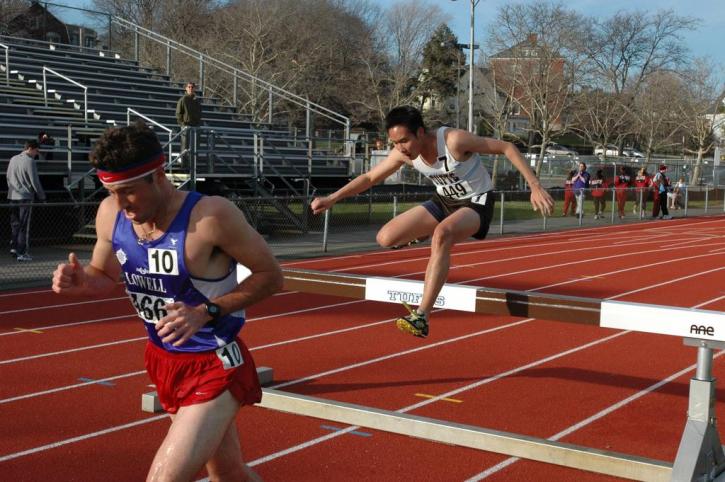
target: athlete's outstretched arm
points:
(463, 144)
(363, 182)
(101, 275)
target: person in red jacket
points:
(599, 186)
(643, 185)
(569, 202)
(621, 184)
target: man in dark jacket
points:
(188, 114)
(23, 187)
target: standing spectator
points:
(23, 186)
(621, 184)
(580, 183)
(46, 142)
(569, 202)
(661, 185)
(680, 191)
(643, 185)
(599, 188)
(188, 114)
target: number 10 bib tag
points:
(230, 355)
(163, 261)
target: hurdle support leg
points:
(700, 455)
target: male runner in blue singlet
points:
(177, 253)
(461, 207)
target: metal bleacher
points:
(232, 148)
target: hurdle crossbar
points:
(532, 448)
(482, 300)
(700, 455)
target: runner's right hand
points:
(69, 278)
(321, 204)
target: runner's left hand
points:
(541, 200)
(180, 323)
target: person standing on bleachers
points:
(188, 114)
(23, 187)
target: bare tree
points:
(9, 9)
(658, 109)
(705, 94)
(394, 53)
(601, 117)
(498, 103)
(624, 50)
(543, 37)
(628, 47)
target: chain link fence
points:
(350, 226)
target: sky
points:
(708, 40)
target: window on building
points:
(52, 37)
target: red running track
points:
(606, 389)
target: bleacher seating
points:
(114, 85)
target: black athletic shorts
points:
(441, 207)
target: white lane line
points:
(714, 300)
(498, 260)
(437, 398)
(341, 432)
(588, 421)
(22, 293)
(81, 438)
(75, 323)
(596, 232)
(624, 270)
(70, 387)
(402, 353)
(71, 350)
(290, 450)
(48, 307)
(670, 281)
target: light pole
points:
(470, 68)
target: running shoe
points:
(413, 323)
(24, 257)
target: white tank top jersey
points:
(454, 180)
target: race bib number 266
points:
(149, 308)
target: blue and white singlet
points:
(155, 274)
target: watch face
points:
(213, 309)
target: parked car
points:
(611, 150)
(554, 150)
(633, 153)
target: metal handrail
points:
(235, 72)
(170, 132)
(85, 90)
(7, 64)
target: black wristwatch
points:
(213, 310)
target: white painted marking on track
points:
(71, 350)
(81, 438)
(290, 450)
(48, 307)
(75, 323)
(70, 387)
(624, 270)
(597, 416)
